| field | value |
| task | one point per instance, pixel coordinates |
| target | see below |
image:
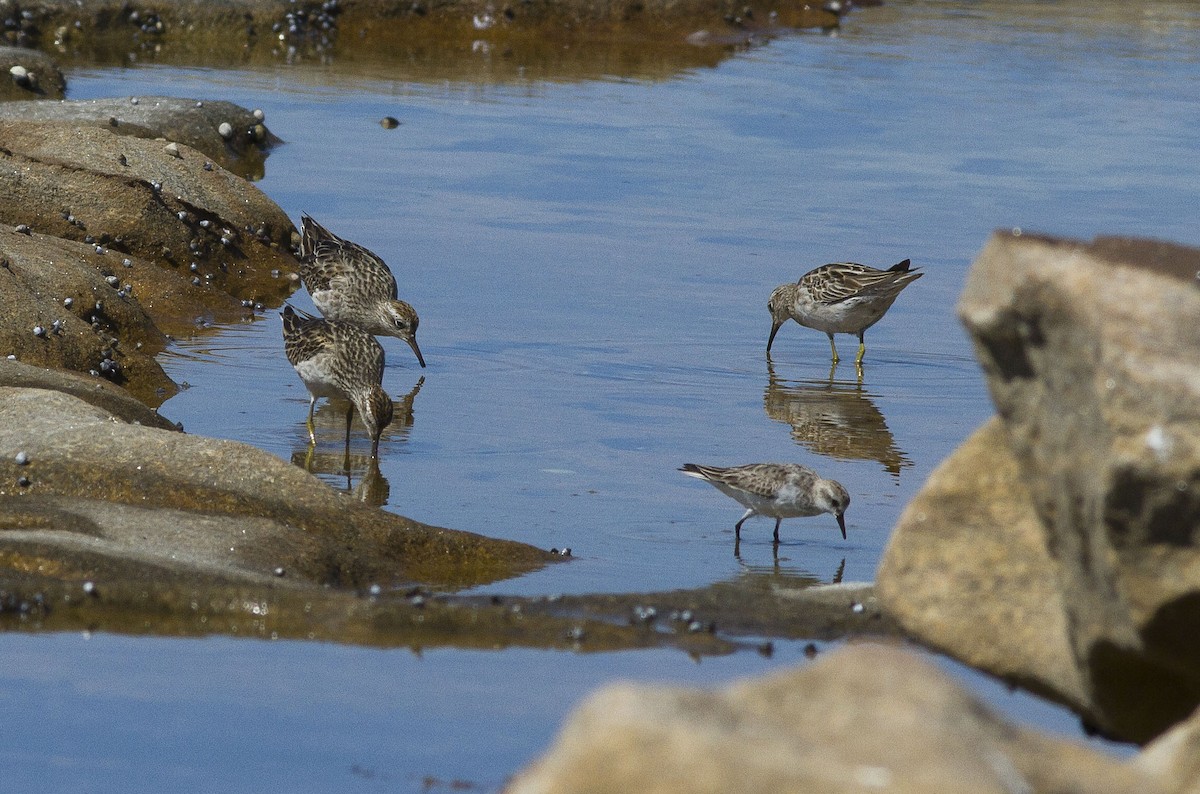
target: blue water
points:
(591, 261)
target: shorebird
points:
(342, 361)
(777, 490)
(350, 284)
(841, 298)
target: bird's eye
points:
(401, 325)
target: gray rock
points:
(863, 718)
(183, 121)
(135, 499)
(104, 395)
(1088, 496)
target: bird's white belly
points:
(315, 374)
(788, 502)
(846, 317)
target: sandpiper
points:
(841, 298)
(350, 284)
(342, 361)
(777, 490)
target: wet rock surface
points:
(97, 495)
(118, 232)
(1057, 547)
(865, 717)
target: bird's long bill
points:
(841, 519)
(412, 342)
(775, 326)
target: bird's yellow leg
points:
(833, 349)
(312, 431)
(862, 349)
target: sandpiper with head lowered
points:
(342, 361)
(350, 284)
(777, 490)
(841, 298)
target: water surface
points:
(591, 261)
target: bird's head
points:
(401, 321)
(779, 305)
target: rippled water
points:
(591, 262)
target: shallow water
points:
(591, 262)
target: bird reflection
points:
(347, 462)
(779, 573)
(833, 418)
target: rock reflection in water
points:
(339, 468)
(833, 418)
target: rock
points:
(966, 572)
(1174, 757)
(38, 276)
(128, 498)
(182, 121)
(29, 74)
(73, 184)
(866, 717)
(194, 242)
(100, 393)
(1087, 497)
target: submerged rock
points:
(1058, 546)
(863, 718)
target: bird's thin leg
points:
(833, 349)
(737, 528)
(777, 530)
(349, 419)
(312, 433)
(862, 348)
(375, 450)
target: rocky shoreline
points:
(1056, 549)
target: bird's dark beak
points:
(774, 330)
(412, 342)
(842, 524)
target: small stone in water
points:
(23, 482)
(173, 149)
(22, 228)
(133, 100)
(112, 280)
(258, 114)
(89, 588)
(225, 130)
(279, 571)
(39, 330)
(389, 122)
(22, 458)
(67, 302)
